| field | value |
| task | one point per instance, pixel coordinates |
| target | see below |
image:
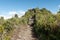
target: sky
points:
(10, 7)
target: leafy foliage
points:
(45, 24)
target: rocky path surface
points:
(23, 33)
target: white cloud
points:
(59, 6)
(5, 17)
(12, 13)
(20, 13)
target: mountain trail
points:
(24, 32)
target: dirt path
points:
(23, 33)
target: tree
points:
(16, 16)
(2, 18)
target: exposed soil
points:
(23, 32)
